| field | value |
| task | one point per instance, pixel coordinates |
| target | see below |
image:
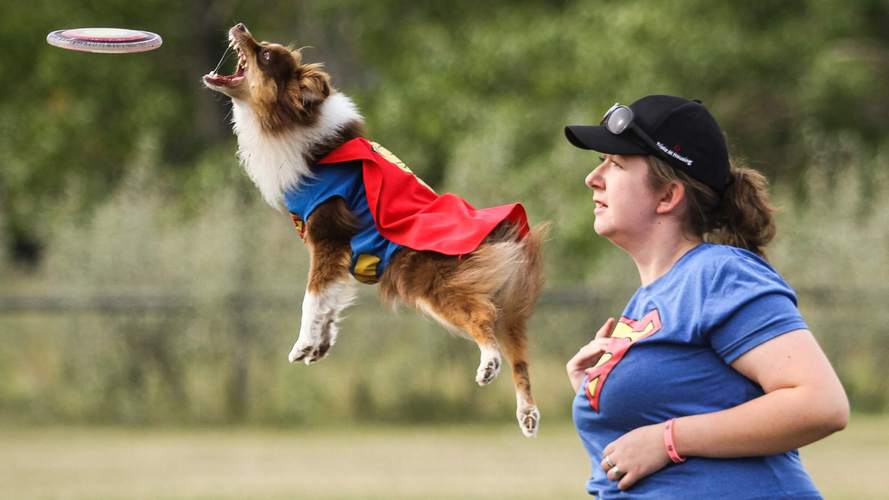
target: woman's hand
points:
(634, 455)
(589, 354)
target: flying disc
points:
(105, 40)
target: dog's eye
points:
(267, 55)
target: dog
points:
(288, 117)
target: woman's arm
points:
(803, 402)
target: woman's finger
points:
(626, 482)
(606, 329)
(615, 473)
(600, 344)
(586, 357)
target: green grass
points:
(465, 462)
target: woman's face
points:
(624, 202)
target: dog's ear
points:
(314, 84)
(296, 54)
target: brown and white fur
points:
(287, 115)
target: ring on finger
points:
(617, 472)
(608, 461)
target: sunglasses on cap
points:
(619, 118)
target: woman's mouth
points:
(598, 206)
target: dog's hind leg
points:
(511, 330)
(517, 299)
(330, 289)
(474, 316)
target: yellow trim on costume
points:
(300, 225)
(366, 268)
(391, 158)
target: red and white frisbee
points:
(105, 40)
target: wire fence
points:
(168, 303)
(144, 357)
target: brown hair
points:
(742, 217)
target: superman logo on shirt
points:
(625, 333)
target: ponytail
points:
(742, 217)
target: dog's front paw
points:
(314, 341)
(529, 420)
(308, 352)
(489, 367)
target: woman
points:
(710, 381)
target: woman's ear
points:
(671, 197)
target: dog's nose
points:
(240, 27)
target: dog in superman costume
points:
(363, 214)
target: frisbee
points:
(105, 40)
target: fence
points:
(167, 357)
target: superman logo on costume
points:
(625, 334)
(391, 158)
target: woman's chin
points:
(600, 228)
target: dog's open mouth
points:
(237, 36)
(214, 78)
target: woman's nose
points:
(594, 179)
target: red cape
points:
(409, 213)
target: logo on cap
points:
(684, 159)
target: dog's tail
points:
(524, 287)
(507, 266)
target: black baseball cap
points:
(683, 133)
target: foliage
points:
(478, 94)
(143, 317)
(118, 184)
(468, 93)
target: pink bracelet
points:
(668, 443)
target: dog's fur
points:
(287, 116)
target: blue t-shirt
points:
(371, 252)
(670, 356)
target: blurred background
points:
(149, 298)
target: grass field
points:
(465, 462)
